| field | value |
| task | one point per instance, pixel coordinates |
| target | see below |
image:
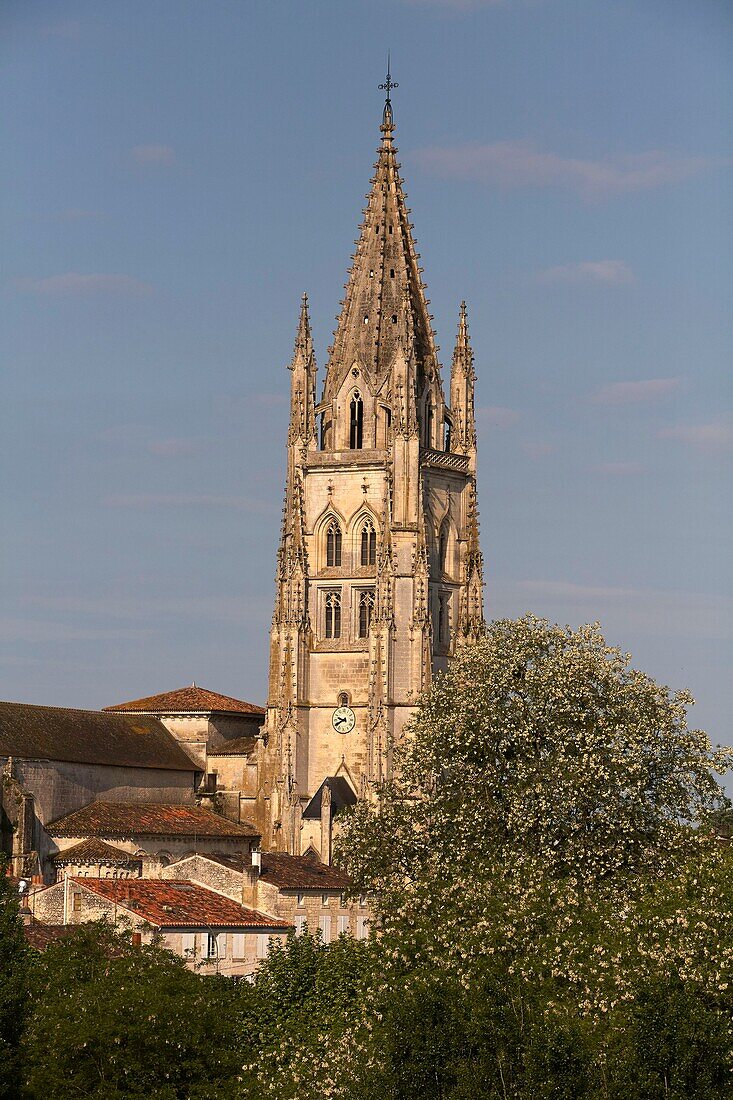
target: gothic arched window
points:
(429, 417)
(368, 543)
(333, 544)
(443, 625)
(448, 432)
(356, 422)
(366, 609)
(443, 547)
(333, 615)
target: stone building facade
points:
(379, 573)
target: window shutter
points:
(324, 923)
(221, 943)
(301, 923)
(238, 945)
(263, 942)
(343, 926)
(188, 944)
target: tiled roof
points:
(178, 904)
(127, 819)
(238, 746)
(93, 851)
(88, 737)
(40, 936)
(191, 699)
(342, 795)
(301, 873)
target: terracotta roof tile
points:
(191, 699)
(94, 851)
(127, 819)
(88, 737)
(179, 904)
(301, 873)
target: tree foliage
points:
(112, 1020)
(13, 986)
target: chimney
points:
(250, 880)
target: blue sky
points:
(180, 172)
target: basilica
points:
(379, 579)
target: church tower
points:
(379, 572)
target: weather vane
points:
(389, 83)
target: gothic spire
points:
(385, 271)
(303, 384)
(462, 381)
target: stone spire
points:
(384, 274)
(303, 383)
(462, 382)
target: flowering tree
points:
(544, 755)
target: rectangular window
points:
(325, 900)
(362, 928)
(263, 945)
(76, 906)
(300, 901)
(221, 944)
(238, 942)
(324, 923)
(301, 924)
(343, 926)
(212, 946)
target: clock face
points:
(343, 719)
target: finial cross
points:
(389, 83)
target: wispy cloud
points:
(151, 607)
(634, 392)
(74, 283)
(78, 214)
(455, 5)
(151, 155)
(619, 469)
(536, 449)
(497, 415)
(172, 448)
(608, 272)
(716, 435)
(629, 611)
(142, 501)
(36, 631)
(69, 29)
(520, 164)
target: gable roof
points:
(342, 795)
(190, 700)
(284, 871)
(169, 904)
(94, 851)
(301, 873)
(127, 819)
(88, 737)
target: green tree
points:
(112, 1020)
(13, 986)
